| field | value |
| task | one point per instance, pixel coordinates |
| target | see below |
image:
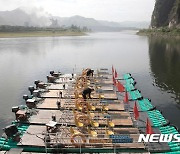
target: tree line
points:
(74, 28)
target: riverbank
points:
(40, 34)
(163, 32)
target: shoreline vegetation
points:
(40, 34)
(163, 32)
(21, 31)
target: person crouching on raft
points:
(87, 92)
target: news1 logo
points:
(159, 138)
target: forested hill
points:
(166, 14)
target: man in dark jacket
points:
(87, 92)
(90, 72)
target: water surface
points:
(154, 62)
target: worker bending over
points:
(87, 92)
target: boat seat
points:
(92, 132)
(90, 114)
(101, 96)
(72, 131)
(91, 107)
(79, 124)
(110, 124)
(78, 106)
(109, 132)
(94, 124)
(105, 108)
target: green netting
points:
(130, 81)
(174, 146)
(176, 152)
(126, 76)
(134, 95)
(129, 87)
(145, 104)
(157, 118)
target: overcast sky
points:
(111, 10)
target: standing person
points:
(89, 72)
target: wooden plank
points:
(50, 103)
(106, 82)
(126, 130)
(55, 94)
(33, 136)
(123, 122)
(106, 96)
(107, 88)
(44, 116)
(56, 86)
(116, 106)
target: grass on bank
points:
(40, 34)
(163, 31)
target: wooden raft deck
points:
(35, 134)
(50, 103)
(55, 94)
(65, 118)
(56, 86)
(44, 116)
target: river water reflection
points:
(154, 63)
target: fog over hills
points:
(20, 17)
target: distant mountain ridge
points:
(18, 17)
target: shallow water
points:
(154, 63)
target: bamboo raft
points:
(56, 119)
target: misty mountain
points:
(19, 17)
(99, 25)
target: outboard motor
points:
(51, 79)
(15, 109)
(31, 89)
(36, 83)
(36, 93)
(12, 131)
(41, 85)
(31, 103)
(25, 97)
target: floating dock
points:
(56, 118)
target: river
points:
(154, 63)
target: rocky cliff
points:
(166, 14)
